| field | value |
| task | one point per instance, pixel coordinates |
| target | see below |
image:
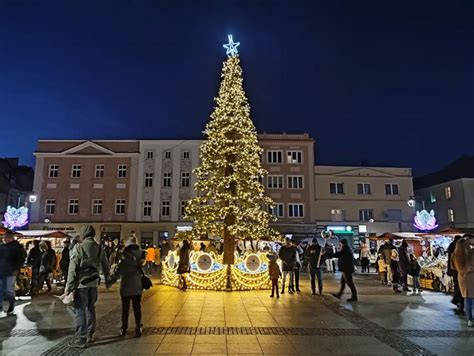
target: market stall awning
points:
(42, 233)
(3, 230)
(397, 236)
(456, 231)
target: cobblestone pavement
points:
(197, 322)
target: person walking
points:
(184, 265)
(298, 264)
(382, 266)
(274, 274)
(34, 260)
(131, 287)
(287, 255)
(457, 300)
(404, 264)
(395, 269)
(48, 262)
(346, 266)
(330, 262)
(150, 259)
(12, 258)
(463, 261)
(157, 258)
(64, 263)
(387, 252)
(365, 257)
(314, 255)
(83, 280)
(414, 271)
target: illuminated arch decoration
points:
(250, 272)
(425, 221)
(15, 218)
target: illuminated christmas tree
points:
(231, 201)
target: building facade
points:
(141, 187)
(355, 202)
(449, 192)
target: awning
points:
(42, 233)
(4, 230)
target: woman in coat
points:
(463, 261)
(184, 264)
(48, 262)
(131, 288)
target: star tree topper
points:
(231, 47)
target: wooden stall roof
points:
(42, 233)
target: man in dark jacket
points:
(287, 255)
(404, 263)
(83, 279)
(12, 258)
(314, 256)
(457, 300)
(34, 260)
(64, 263)
(346, 266)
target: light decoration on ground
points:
(249, 273)
(15, 218)
(425, 221)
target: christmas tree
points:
(230, 202)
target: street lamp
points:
(32, 198)
(412, 201)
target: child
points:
(382, 266)
(414, 271)
(274, 273)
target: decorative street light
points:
(32, 198)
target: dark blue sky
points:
(383, 81)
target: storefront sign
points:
(183, 228)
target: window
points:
(336, 188)
(165, 208)
(432, 197)
(274, 182)
(122, 171)
(363, 188)
(96, 206)
(277, 210)
(450, 215)
(99, 170)
(148, 180)
(391, 189)
(393, 215)
(167, 179)
(168, 154)
(186, 155)
(53, 171)
(295, 182)
(147, 208)
(274, 157)
(76, 171)
(120, 206)
(448, 193)
(149, 154)
(294, 157)
(50, 206)
(295, 210)
(366, 214)
(184, 179)
(337, 215)
(182, 207)
(73, 207)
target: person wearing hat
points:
(131, 286)
(83, 279)
(346, 266)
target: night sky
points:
(387, 82)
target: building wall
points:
(461, 202)
(386, 207)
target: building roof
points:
(463, 167)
